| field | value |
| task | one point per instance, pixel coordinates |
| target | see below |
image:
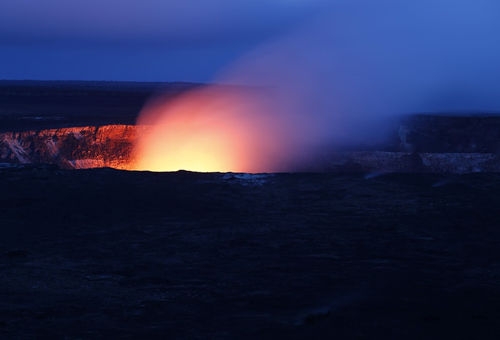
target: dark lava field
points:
(103, 253)
(107, 253)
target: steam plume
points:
(333, 82)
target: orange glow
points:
(209, 130)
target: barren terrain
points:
(106, 253)
(118, 254)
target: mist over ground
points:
(360, 62)
(343, 77)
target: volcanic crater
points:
(359, 249)
(420, 143)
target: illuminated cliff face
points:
(72, 148)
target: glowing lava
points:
(209, 130)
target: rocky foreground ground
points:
(106, 253)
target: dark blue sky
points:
(346, 46)
(343, 64)
(144, 40)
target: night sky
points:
(147, 40)
(415, 55)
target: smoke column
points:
(336, 81)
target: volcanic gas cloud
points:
(217, 128)
(337, 80)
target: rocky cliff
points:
(472, 133)
(71, 148)
(422, 143)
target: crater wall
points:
(420, 143)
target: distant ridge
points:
(98, 84)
